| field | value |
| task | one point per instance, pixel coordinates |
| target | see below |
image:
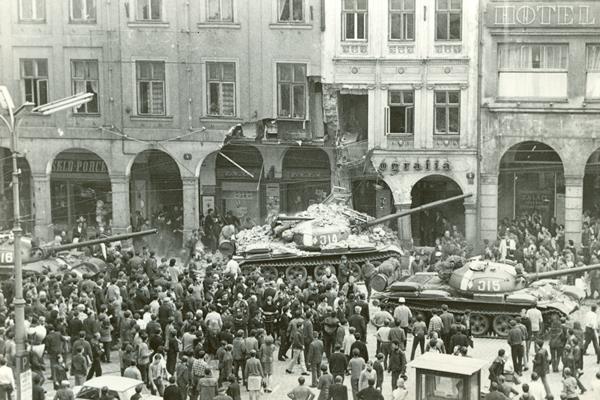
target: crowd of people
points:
(197, 328)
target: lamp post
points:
(12, 122)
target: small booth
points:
(444, 377)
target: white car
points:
(119, 387)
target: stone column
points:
(573, 207)
(191, 215)
(488, 207)
(471, 223)
(43, 206)
(121, 213)
(404, 223)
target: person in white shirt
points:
(537, 326)
(403, 314)
(7, 380)
(400, 393)
(213, 320)
(232, 268)
(536, 387)
(590, 320)
(383, 342)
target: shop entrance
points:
(80, 191)
(531, 181)
(306, 178)
(431, 224)
(6, 192)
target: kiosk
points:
(444, 377)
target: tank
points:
(321, 237)
(39, 258)
(494, 292)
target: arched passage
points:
(80, 187)
(591, 185)
(6, 192)
(431, 224)
(224, 186)
(531, 180)
(372, 196)
(155, 190)
(306, 178)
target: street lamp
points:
(12, 122)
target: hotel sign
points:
(581, 14)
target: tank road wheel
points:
(480, 324)
(269, 273)
(296, 275)
(501, 325)
(319, 272)
(247, 270)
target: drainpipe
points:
(479, 98)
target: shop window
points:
(34, 74)
(83, 11)
(291, 90)
(32, 10)
(447, 112)
(149, 10)
(592, 88)
(150, 87)
(402, 19)
(220, 11)
(220, 78)
(448, 19)
(400, 112)
(84, 79)
(524, 70)
(290, 10)
(354, 19)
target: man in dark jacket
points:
(370, 393)
(447, 321)
(516, 341)
(172, 392)
(338, 391)
(338, 363)
(361, 346)
(497, 367)
(358, 322)
(314, 358)
(397, 363)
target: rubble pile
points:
(262, 239)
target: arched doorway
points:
(80, 188)
(306, 178)
(591, 185)
(431, 224)
(531, 181)
(6, 192)
(239, 190)
(372, 196)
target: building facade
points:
(400, 83)
(540, 114)
(171, 79)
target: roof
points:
(116, 383)
(448, 363)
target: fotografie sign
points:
(543, 15)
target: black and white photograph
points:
(299, 199)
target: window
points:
(149, 10)
(291, 90)
(592, 90)
(220, 11)
(34, 73)
(84, 79)
(448, 15)
(402, 19)
(220, 78)
(32, 10)
(524, 70)
(150, 77)
(83, 10)
(291, 10)
(355, 19)
(447, 112)
(400, 111)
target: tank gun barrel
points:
(288, 218)
(415, 210)
(107, 239)
(555, 274)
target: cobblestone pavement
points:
(484, 348)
